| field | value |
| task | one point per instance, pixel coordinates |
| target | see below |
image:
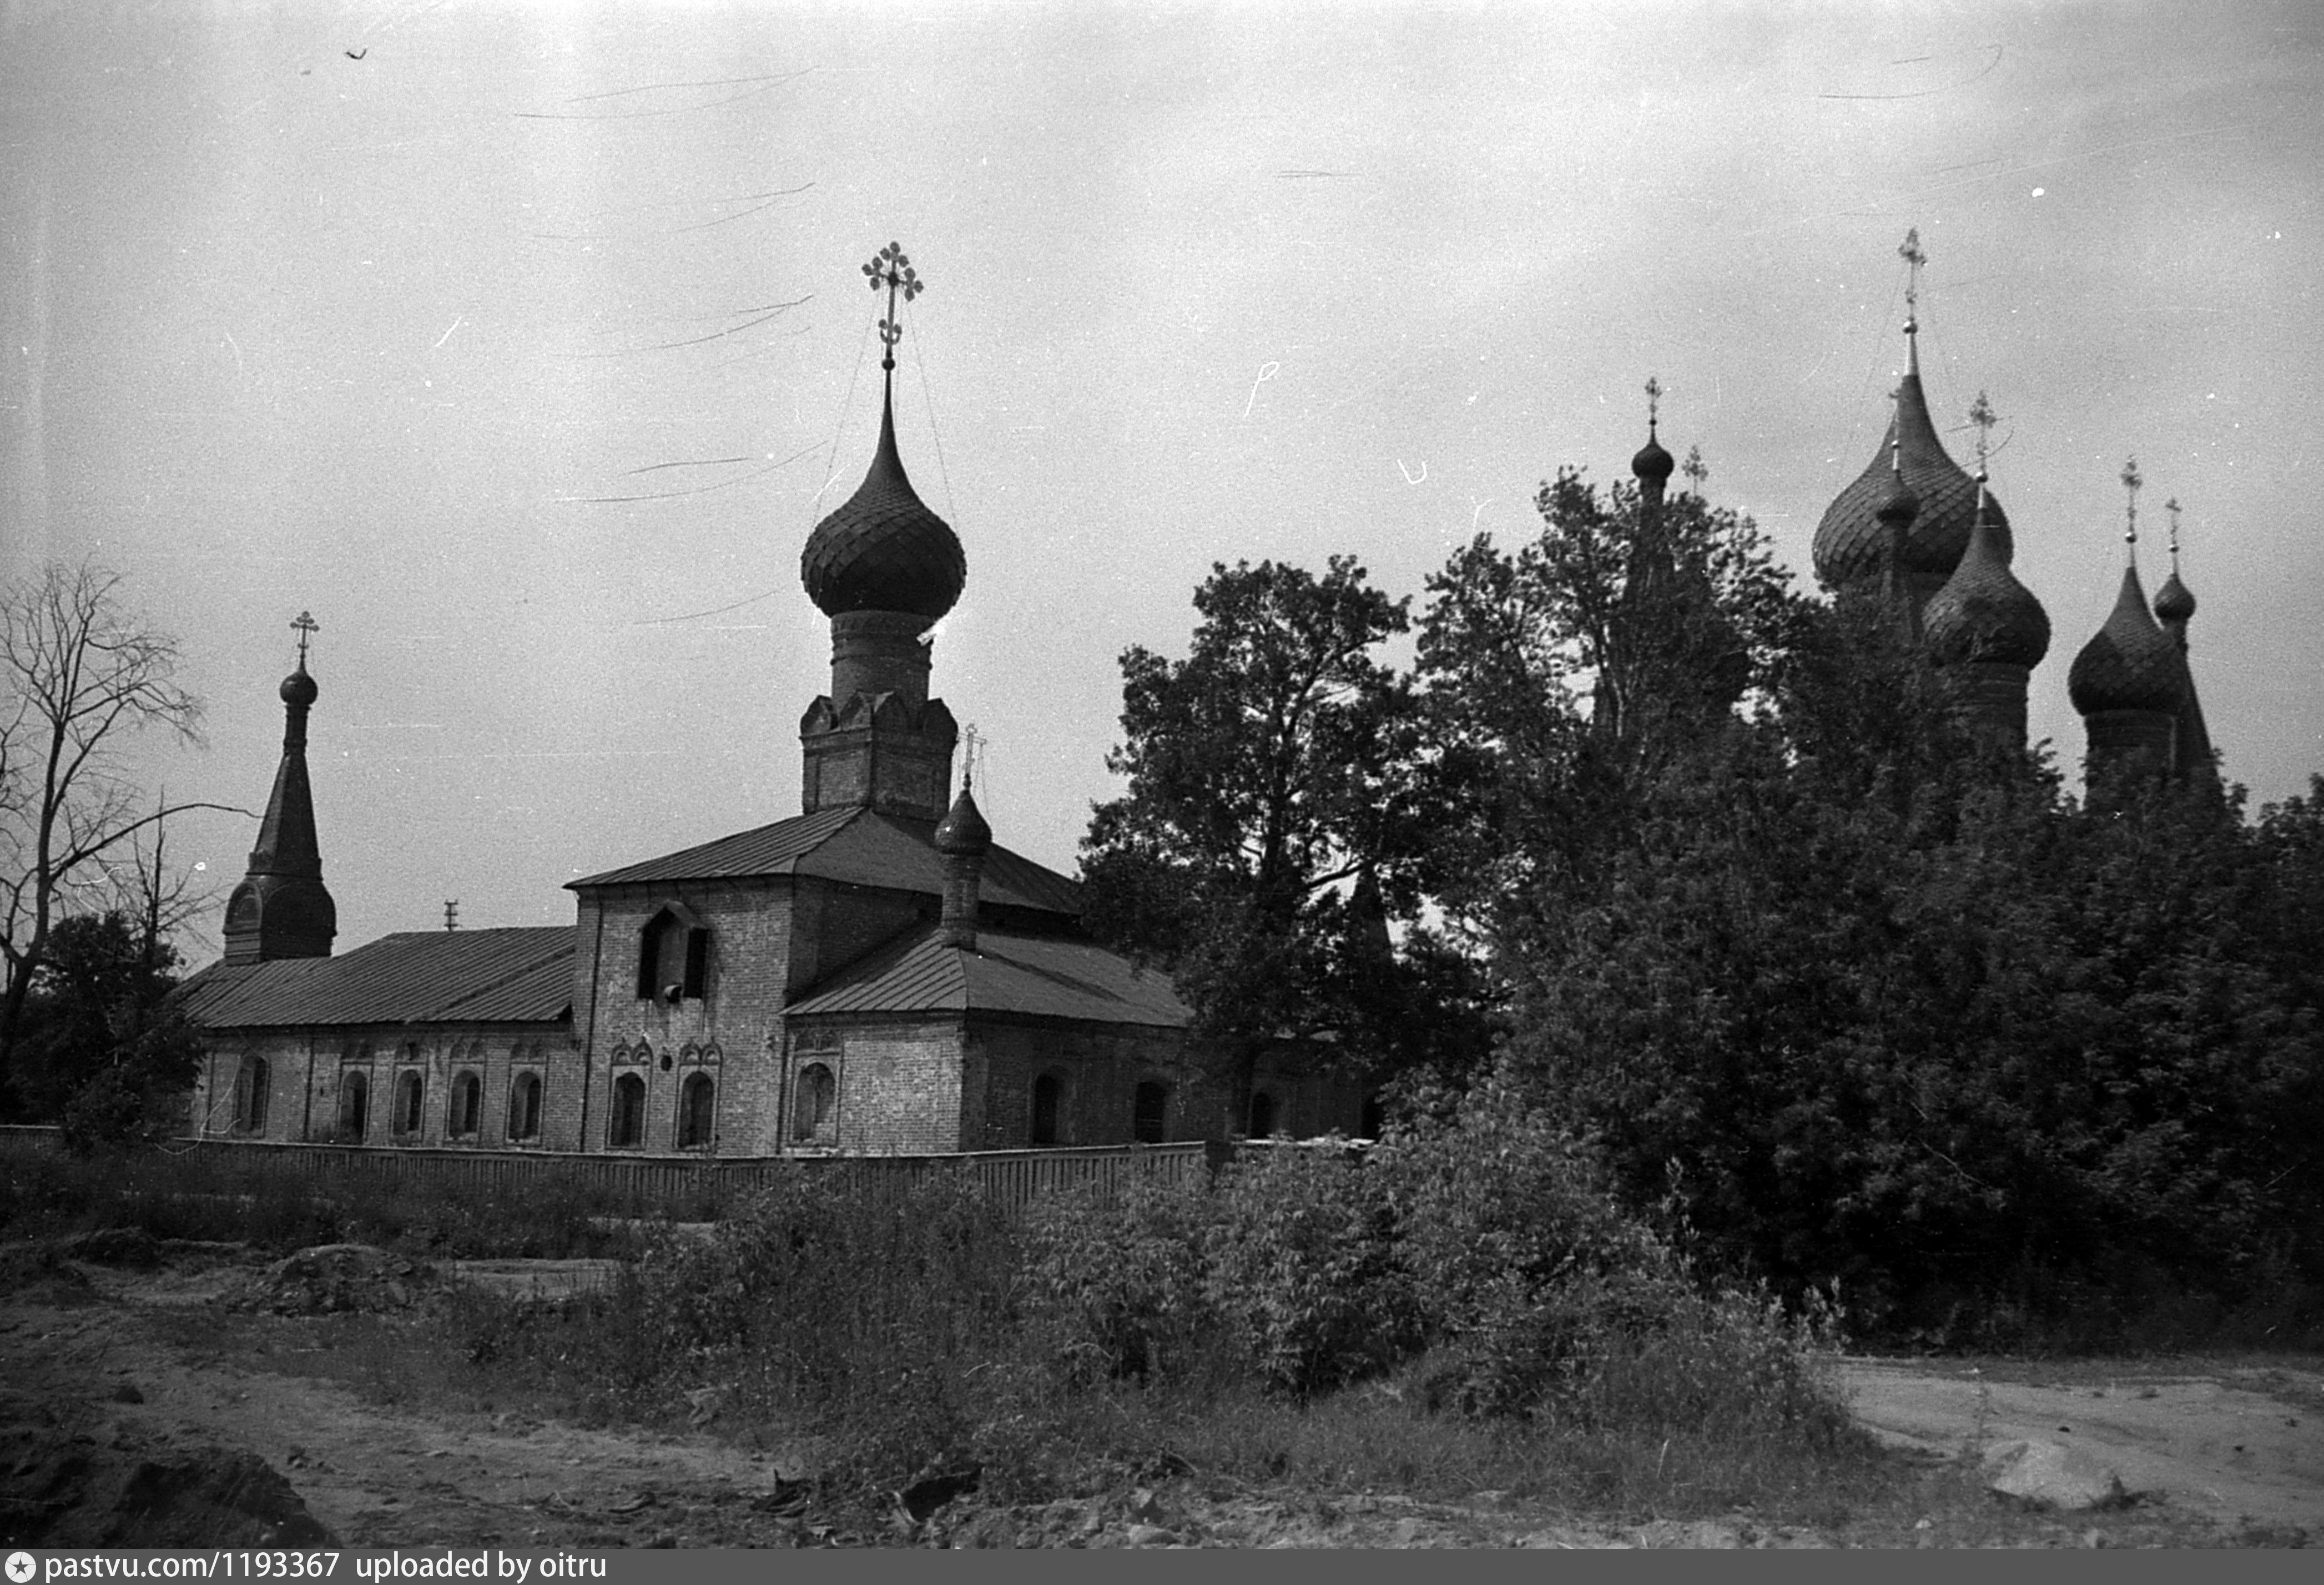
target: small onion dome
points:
(2173, 601)
(963, 829)
(882, 549)
(1984, 614)
(298, 689)
(1653, 465)
(2130, 663)
(1850, 543)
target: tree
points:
(1567, 677)
(1270, 828)
(102, 1051)
(79, 676)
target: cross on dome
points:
(307, 627)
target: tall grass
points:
(1299, 1318)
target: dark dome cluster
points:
(882, 549)
(2130, 663)
(1850, 543)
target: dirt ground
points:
(141, 1405)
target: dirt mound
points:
(62, 1490)
(332, 1278)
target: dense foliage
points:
(100, 1050)
(1845, 993)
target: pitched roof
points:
(518, 974)
(1005, 972)
(853, 844)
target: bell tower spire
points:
(282, 909)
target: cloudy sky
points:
(525, 344)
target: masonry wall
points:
(1098, 1066)
(309, 1071)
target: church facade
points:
(875, 974)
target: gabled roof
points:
(854, 844)
(1027, 975)
(518, 974)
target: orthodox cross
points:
(1981, 414)
(308, 627)
(892, 270)
(2131, 482)
(1654, 403)
(2171, 506)
(451, 913)
(976, 739)
(1913, 257)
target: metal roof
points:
(1031, 975)
(855, 845)
(518, 974)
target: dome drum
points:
(880, 652)
(2122, 738)
(1989, 699)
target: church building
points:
(874, 974)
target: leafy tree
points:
(78, 676)
(1271, 826)
(103, 1051)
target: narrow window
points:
(1149, 1118)
(355, 1108)
(524, 1107)
(697, 1105)
(1375, 1118)
(411, 1091)
(1047, 1090)
(1262, 1115)
(813, 1105)
(468, 1105)
(629, 1120)
(250, 1087)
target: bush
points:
(1114, 1288)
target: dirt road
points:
(144, 1370)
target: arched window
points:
(468, 1105)
(812, 1107)
(411, 1091)
(627, 1127)
(1150, 1115)
(1047, 1091)
(697, 1106)
(354, 1107)
(250, 1088)
(1262, 1115)
(673, 955)
(524, 1107)
(1375, 1118)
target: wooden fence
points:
(683, 1184)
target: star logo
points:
(21, 1567)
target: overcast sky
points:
(390, 338)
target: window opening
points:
(524, 1106)
(817, 1092)
(468, 1105)
(1150, 1112)
(696, 1106)
(411, 1091)
(354, 1107)
(629, 1120)
(673, 956)
(250, 1087)
(1046, 1091)
(1262, 1115)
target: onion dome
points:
(298, 689)
(2130, 663)
(962, 830)
(1653, 465)
(2173, 601)
(1983, 614)
(882, 549)
(1850, 543)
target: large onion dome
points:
(2130, 663)
(2173, 601)
(1983, 613)
(1850, 544)
(882, 549)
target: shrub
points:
(1114, 1288)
